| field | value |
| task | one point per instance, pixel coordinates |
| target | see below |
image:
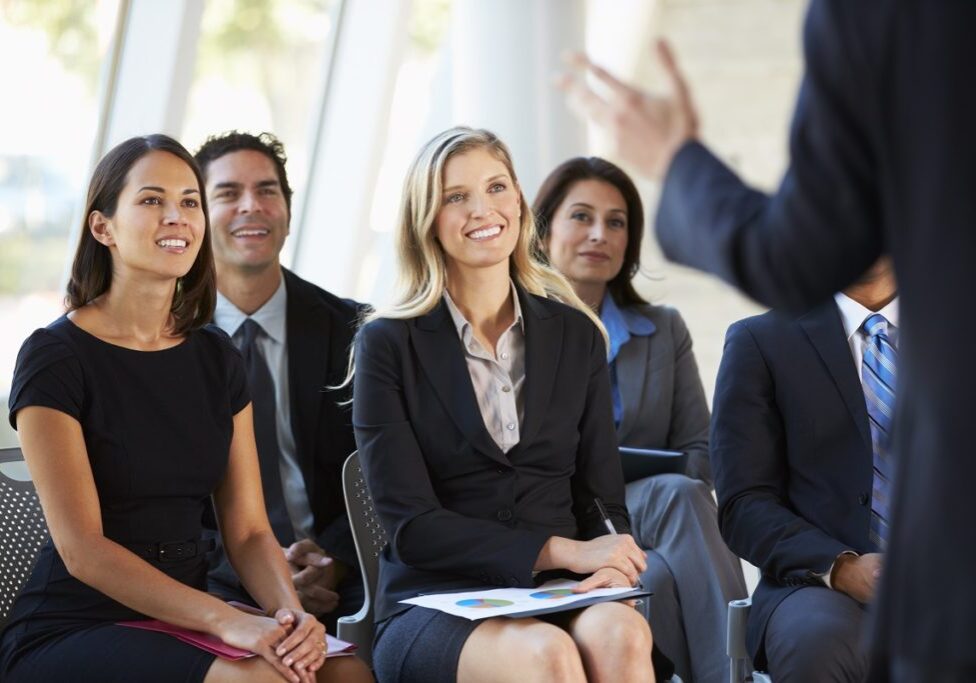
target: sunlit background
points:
(353, 87)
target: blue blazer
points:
(791, 453)
(881, 160)
(459, 512)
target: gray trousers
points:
(691, 572)
(815, 636)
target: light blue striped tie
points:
(878, 378)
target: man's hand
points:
(857, 575)
(315, 575)
(646, 130)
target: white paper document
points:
(552, 596)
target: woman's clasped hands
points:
(293, 641)
(612, 561)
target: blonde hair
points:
(422, 275)
(422, 269)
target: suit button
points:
(863, 499)
(504, 515)
(500, 470)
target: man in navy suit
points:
(881, 161)
(792, 452)
(303, 335)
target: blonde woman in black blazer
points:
(483, 419)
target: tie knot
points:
(250, 330)
(875, 324)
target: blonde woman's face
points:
(478, 222)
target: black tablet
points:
(645, 462)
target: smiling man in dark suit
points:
(295, 338)
(799, 452)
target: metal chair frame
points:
(735, 645)
(370, 539)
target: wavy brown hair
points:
(91, 270)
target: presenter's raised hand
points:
(646, 129)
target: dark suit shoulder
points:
(309, 293)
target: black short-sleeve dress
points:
(158, 427)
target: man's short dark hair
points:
(267, 144)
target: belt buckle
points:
(178, 550)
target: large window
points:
(53, 55)
(261, 67)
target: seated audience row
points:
(490, 399)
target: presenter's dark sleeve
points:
(423, 534)
(823, 227)
(749, 458)
(598, 471)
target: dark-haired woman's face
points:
(588, 233)
(159, 225)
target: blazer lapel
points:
(543, 347)
(308, 353)
(635, 357)
(825, 330)
(442, 357)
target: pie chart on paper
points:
(552, 594)
(481, 603)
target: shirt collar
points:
(622, 324)
(854, 314)
(271, 316)
(463, 326)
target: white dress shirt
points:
(272, 318)
(497, 379)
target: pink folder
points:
(214, 645)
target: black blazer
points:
(320, 329)
(459, 512)
(791, 453)
(881, 160)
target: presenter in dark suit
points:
(591, 221)
(303, 335)
(484, 423)
(793, 455)
(881, 160)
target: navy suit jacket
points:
(320, 329)
(791, 453)
(459, 512)
(881, 161)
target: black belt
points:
(171, 551)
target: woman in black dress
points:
(132, 413)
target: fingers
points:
(279, 665)
(679, 86)
(298, 643)
(318, 600)
(589, 583)
(307, 553)
(580, 97)
(307, 576)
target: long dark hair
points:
(553, 192)
(91, 270)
